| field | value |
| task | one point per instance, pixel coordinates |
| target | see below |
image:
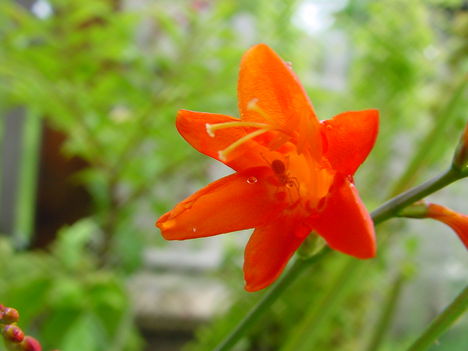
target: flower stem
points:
(296, 269)
(386, 314)
(381, 214)
(442, 322)
(306, 332)
(393, 206)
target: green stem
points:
(296, 269)
(305, 333)
(381, 214)
(394, 205)
(387, 314)
(442, 322)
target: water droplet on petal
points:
(194, 229)
(252, 180)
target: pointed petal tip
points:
(367, 253)
(269, 250)
(164, 224)
(253, 288)
(259, 46)
(367, 250)
(349, 137)
(346, 224)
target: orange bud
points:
(457, 221)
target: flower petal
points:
(192, 126)
(348, 139)
(345, 223)
(238, 201)
(457, 221)
(268, 82)
(268, 251)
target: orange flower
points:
(457, 221)
(293, 172)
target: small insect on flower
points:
(284, 178)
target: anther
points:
(252, 104)
(209, 130)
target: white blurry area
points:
(316, 17)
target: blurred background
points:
(90, 158)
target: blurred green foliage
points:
(65, 299)
(111, 75)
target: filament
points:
(211, 128)
(223, 153)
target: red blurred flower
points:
(293, 172)
(457, 221)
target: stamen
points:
(262, 128)
(211, 128)
(253, 106)
(223, 153)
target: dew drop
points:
(252, 180)
(194, 229)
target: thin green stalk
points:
(393, 206)
(442, 322)
(386, 314)
(306, 331)
(381, 214)
(245, 324)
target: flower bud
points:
(9, 315)
(12, 333)
(457, 221)
(30, 344)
